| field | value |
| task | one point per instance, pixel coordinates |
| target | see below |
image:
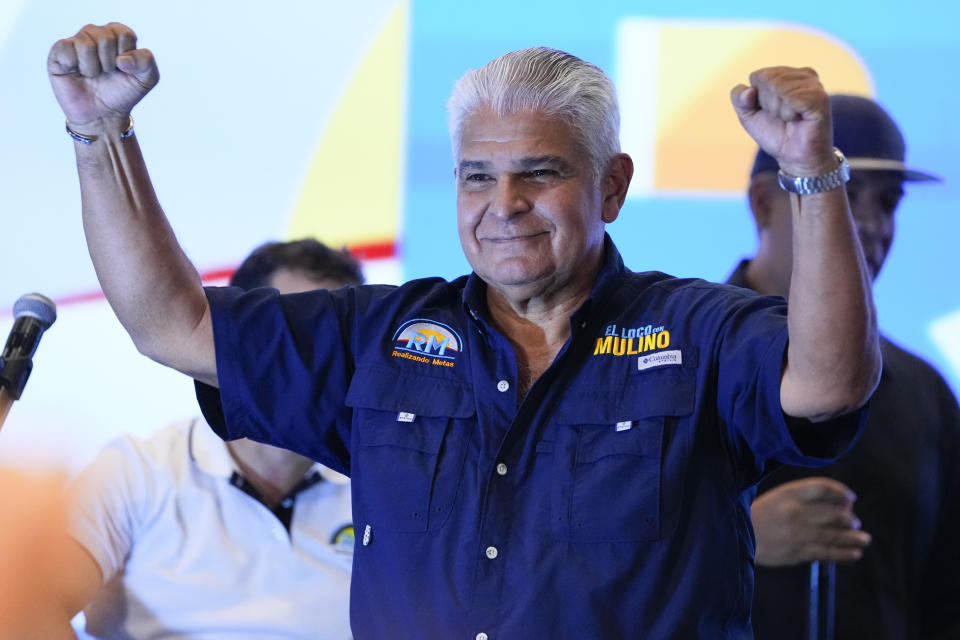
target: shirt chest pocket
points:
(609, 452)
(409, 440)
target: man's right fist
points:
(98, 76)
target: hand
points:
(807, 520)
(787, 112)
(99, 74)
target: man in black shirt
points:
(889, 511)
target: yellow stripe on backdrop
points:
(353, 194)
(694, 141)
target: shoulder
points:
(349, 299)
(912, 391)
(666, 284)
(901, 362)
(696, 296)
(908, 376)
(909, 371)
(152, 459)
(422, 291)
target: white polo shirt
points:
(185, 553)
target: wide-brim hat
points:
(867, 136)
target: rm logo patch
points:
(427, 342)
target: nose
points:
(510, 198)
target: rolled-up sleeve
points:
(751, 356)
(284, 363)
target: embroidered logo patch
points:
(427, 342)
(660, 359)
(624, 341)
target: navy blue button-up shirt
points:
(611, 502)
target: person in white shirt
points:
(184, 535)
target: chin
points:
(514, 276)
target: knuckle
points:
(83, 44)
(123, 30)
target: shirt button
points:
(286, 504)
(492, 552)
(501, 469)
(482, 636)
(502, 386)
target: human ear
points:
(614, 184)
(761, 194)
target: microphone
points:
(33, 314)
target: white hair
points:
(551, 82)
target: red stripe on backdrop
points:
(362, 252)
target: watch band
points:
(807, 185)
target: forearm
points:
(147, 279)
(833, 360)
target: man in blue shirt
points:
(552, 446)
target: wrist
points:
(108, 127)
(813, 168)
(834, 175)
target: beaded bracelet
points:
(126, 133)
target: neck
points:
(537, 326)
(766, 274)
(272, 471)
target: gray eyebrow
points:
(524, 164)
(557, 161)
(472, 164)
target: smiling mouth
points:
(517, 238)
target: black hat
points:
(867, 136)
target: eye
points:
(542, 173)
(476, 177)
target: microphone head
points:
(35, 305)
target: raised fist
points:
(99, 74)
(787, 112)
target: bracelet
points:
(82, 139)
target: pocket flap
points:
(600, 441)
(390, 390)
(669, 392)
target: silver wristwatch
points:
(807, 185)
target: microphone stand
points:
(6, 400)
(826, 622)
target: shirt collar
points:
(739, 276)
(209, 452)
